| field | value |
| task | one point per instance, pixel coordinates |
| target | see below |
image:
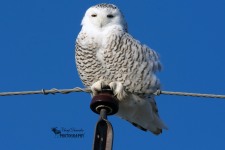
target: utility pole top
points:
(104, 104)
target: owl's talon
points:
(118, 90)
(98, 86)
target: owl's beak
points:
(101, 22)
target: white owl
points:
(106, 54)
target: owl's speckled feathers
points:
(106, 54)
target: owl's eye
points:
(94, 15)
(110, 16)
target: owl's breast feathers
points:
(117, 57)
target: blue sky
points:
(37, 51)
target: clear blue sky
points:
(37, 51)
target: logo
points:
(68, 132)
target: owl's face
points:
(102, 16)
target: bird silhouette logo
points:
(56, 131)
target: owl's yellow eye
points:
(110, 16)
(94, 15)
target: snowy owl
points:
(107, 55)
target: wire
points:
(45, 92)
(88, 90)
(189, 94)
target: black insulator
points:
(104, 100)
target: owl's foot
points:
(116, 87)
(118, 90)
(98, 86)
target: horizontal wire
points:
(45, 92)
(190, 94)
(88, 90)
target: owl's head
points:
(102, 16)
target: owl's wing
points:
(135, 65)
(131, 63)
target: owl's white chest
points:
(100, 40)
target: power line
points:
(88, 90)
(189, 94)
(45, 92)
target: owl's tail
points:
(142, 112)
